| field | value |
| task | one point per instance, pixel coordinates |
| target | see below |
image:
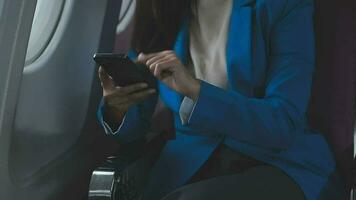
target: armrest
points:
(121, 176)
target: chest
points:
(246, 54)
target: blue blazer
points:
(270, 64)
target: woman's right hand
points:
(118, 100)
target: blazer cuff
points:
(207, 107)
(109, 130)
(186, 110)
(100, 115)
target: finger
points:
(158, 58)
(122, 92)
(132, 98)
(139, 96)
(143, 58)
(132, 88)
(106, 82)
(117, 100)
(153, 66)
(122, 97)
(165, 66)
(140, 99)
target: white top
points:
(208, 38)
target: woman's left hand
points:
(167, 68)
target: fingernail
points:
(140, 56)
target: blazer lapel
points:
(181, 46)
(239, 47)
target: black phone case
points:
(124, 71)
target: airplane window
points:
(1, 6)
(126, 14)
(46, 18)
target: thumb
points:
(106, 81)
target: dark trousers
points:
(228, 174)
(257, 183)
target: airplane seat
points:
(121, 176)
(332, 106)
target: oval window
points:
(126, 14)
(45, 21)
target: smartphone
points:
(124, 71)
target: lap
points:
(262, 182)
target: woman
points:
(238, 82)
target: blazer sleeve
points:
(136, 122)
(274, 120)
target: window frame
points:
(43, 28)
